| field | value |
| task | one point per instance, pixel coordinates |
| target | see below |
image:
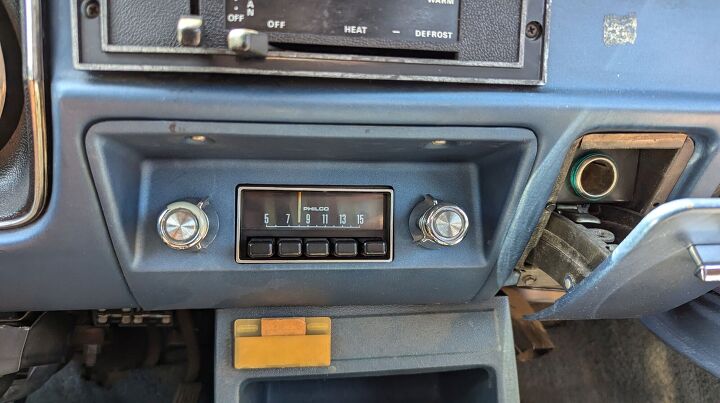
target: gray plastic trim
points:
(12, 344)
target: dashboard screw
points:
(529, 279)
(91, 8)
(533, 30)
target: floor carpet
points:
(593, 361)
(613, 361)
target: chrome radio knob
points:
(183, 225)
(435, 224)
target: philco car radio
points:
(289, 224)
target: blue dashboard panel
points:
(66, 260)
(139, 167)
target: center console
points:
(400, 354)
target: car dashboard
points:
(405, 169)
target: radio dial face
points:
(301, 210)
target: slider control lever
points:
(248, 43)
(189, 30)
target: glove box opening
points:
(460, 386)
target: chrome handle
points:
(33, 74)
(707, 259)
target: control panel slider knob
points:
(248, 42)
(189, 30)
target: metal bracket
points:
(707, 259)
(131, 317)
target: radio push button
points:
(289, 248)
(260, 248)
(374, 248)
(345, 248)
(317, 248)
